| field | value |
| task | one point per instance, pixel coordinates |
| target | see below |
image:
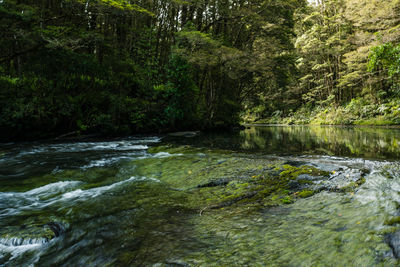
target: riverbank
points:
(357, 112)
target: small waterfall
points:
(50, 231)
(20, 241)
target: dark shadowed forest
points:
(122, 67)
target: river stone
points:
(342, 180)
(295, 163)
(216, 182)
(393, 240)
(57, 228)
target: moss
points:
(30, 232)
(392, 221)
(126, 258)
(287, 200)
(385, 231)
(168, 148)
(292, 172)
(305, 182)
(48, 234)
(361, 181)
(217, 182)
(351, 187)
(268, 188)
(338, 243)
(306, 193)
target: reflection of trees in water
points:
(341, 141)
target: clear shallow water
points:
(136, 201)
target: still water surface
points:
(135, 201)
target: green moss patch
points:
(270, 187)
(306, 193)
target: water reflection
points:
(334, 141)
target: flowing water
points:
(151, 201)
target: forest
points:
(117, 67)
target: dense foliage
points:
(347, 61)
(118, 67)
(121, 67)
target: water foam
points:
(16, 251)
(108, 161)
(19, 241)
(97, 191)
(120, 145)
(12, 203)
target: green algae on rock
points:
(306, 193)
(269, 187)
(219, 179)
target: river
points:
(204, 200)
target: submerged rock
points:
(176, 263)
(274, 184)
(185, 134)
(57, 228)
(219, 179)
(214, 183)
(393, 240)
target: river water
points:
(143, 200)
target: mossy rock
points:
(352, 186)
(269, 188)
(291, 172)
(220, 180)
(306, 193)
(392, 221)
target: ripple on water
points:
(97, 191)
(12, 203)
(16, 251)
(29, 159)
(122, 145)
